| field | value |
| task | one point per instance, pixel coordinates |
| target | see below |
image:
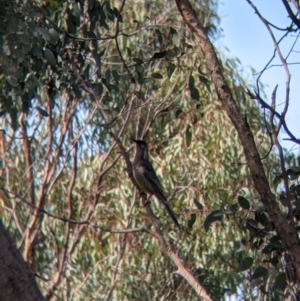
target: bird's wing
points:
(150, 174)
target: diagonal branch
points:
(168, 250)
(286, 231)
(29, 174)
(291, 13)
(283, 61)
(264, 104)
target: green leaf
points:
(102, 52)
(293, 172)
(159, 55)
(278, 246)
(91, 4)
(193, 91)
(188, 136)
(295, 169)
(12, 81)
(223, 212)
(157, 75)
(113, 87)
(98, 89)
(70, 26)
(42, 112)
(268, 248)
(128, 51)
(148, 80)
(170, 69)
(277, 180)
(234, 207)
(118, 15)
(273, 260)
(44, 33)
(192, 220)
(49, 56)
(244, 203)
(260, 272)
(275, 239)
(198, 205)
(255, 283)
(140, 72)
(195, 94)
(107, 77)
(212, 217)
(206, 82)
(137, 60)
(262, 217)
(115, 76)
(295, 189)
(54, 36)
(37, 51)
(251, 224)
(200, 69)
(246, 263)
(257, 242)
(175, 37)
(280, 282)
(191, 83)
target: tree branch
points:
(16, 281)
(286, 232)
(27, 150)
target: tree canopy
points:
(79, 79)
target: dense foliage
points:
(78, 79)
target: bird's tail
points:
(169, 210)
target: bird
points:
(146, 178)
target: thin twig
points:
(82, 222)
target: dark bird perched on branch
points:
(146, 177)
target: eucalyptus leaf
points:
(12, 81)
(260, 272)
(170, 69)
(49, 56)
(42, 112)
(54, 36)
(44, 33)
(188, 136)
(159, 55)
(157, 75)
(175, 37)
(243, 202)
(280, 282)
(192, 220)
(212, 217)
(246, 263)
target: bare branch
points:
(283, 61)
(286, 231)
(264, 104)
(291, 13)
(27, 150)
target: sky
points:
(247, 38)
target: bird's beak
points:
(133, 140)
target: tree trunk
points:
(285, 228)
(17, 283)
